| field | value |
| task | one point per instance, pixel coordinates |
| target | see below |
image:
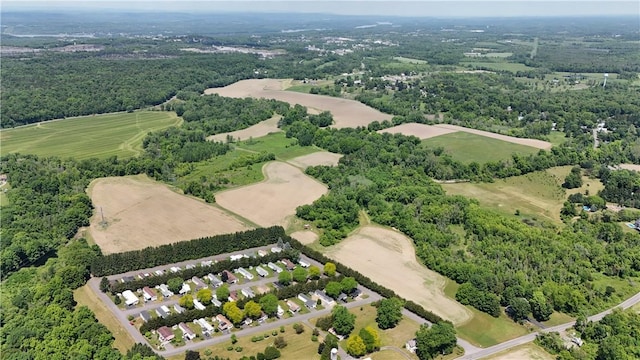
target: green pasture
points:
(467, 147)
(409, 60)
(499, 66)
(86, 137)
(277, 143)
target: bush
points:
(280, 342)
(299, 328)
(239, 349)
(229, 348)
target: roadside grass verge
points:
(99, 136)
(467, 147)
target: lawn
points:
(398, 336)
(84, 296)
(557, 137)
(298, 346)
(557, 319)
(409, 60)
(529, 351)
(484, 330)
(277, 143)
(498, 66)
(85, 137)
(4, 200)
(467, 147)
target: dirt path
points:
(389, 258)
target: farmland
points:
(139, 212)
(467, 147)
(420, 131)
(318, 158)
(527, 351)
(260, 129)
(274, 200)
(100, 136)
(396, 252)
(346, 113)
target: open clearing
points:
(421, 131)
(632, 167)
(305, 236)
(346, 113)
(85, 137)
(523, 352)
(390, 259)
(272, 201)
(467, 147)
(260, 129)
(528, 142)
(318, 158)
(141, 212)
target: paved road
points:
(481, 353)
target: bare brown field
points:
(632, 167)
(524, 352)
(389, 257)
(318, 158)
(305, 236)
(140, 212)
(274, 200)
(260, 129)
(421, 131)
(528, 142)
(346, 113)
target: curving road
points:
(481, 353)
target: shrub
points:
(229, 348)
(239, 349)
(299, 328)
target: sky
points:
(432, 8)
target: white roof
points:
(129, 297)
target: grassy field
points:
(278, 144)
(84, 296)
(299, 86)
(499, 66)
(409, 60)
(528, 351)
(85, 137)
(484, 330)
(467, 147)
(557, 138)
(4, 200)
(557, 319)
(397, 337)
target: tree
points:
(175, 284)
(284, 278)
(300, 274)
(333, 289)
(186, 301)
(222, 293)
(280, 342)
(356, 346)
(574, 179)
(519, 309)
(440, 338)
(389, 313)
(191, 355)
(204, 295)
(252, 310)
(269, 304)
(348, 284)
(314, 272)
(299, 328)
(232, 312)
(343, 320)
(371, 338)
(271, 353)
(324, 348)
(330, 269)
(540, 307)
(104, 284)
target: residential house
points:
(248, 321)
(261, 271)
(290, 266)
(263, 317)
(179, 309)
(127, 279)
(411, 346)
(247, 275)
(276, 249)
(293, 307)
(130, 299)
(159, 272)
(175, 269)
(164, 289)
(165, 334)
(302, 297)
(190, 266)
(342, 297)
(326, 299)
(145, 316)
(223, 323)
(274, 267)
(280, 312)
(161, 313)
(215, 282)
(310, 304)
(233, 296)
(198, 283)
(187, 333)
(231, 279)
(198, 305)
(303, 263)
(204, 263)
(247, 292)
(148, 294)
(262, 253)
(207, 329)
(215, 301)
(185, 289)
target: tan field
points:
(318, 158)
(274, 200)
(528, 142)
(260, 129)
(305, 236)
(421, 131)
(632, 167)
(389, 258)
(346, 113)
(524, 352)
(140, 212)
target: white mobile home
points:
(130, 298)
(274, 267)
